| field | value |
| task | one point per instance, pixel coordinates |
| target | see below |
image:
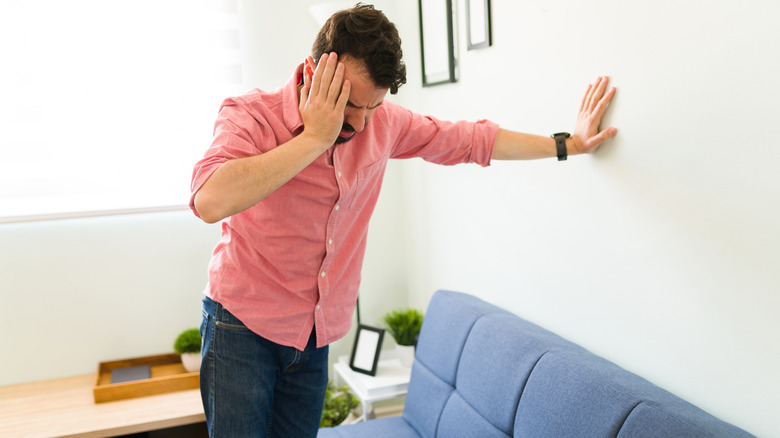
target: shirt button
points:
(330, 241)
(339, 174)
(322, 274)
(318, 307)
(337, 207)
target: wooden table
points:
(66, 408)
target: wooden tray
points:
(167, 375)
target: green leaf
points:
(188, 342)
(404, 325)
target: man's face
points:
(364, 99)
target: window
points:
(107, 105)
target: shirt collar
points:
(292, 116)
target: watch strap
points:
(560, 144)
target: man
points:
(295, 174)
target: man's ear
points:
(309, 67)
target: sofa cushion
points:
(649, 420)
(661, 413)
(460, 420)
(425, 400)
(563, 398)
(646, 421)
(446, 326)
(498, 357)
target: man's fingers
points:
(601, 106)
(327, 81)
(601, 137)
(317, 78)
(328, 71)
(594, 93)
(341, 103)
(599, 92)
(589, 96)
(336, 83)
(585, 98)
(304, 97)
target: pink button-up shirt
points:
(293, 260)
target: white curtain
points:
(106, 105)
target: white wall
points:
(80, 291)
(659, 252)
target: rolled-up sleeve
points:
(443, 142)
(236, 135)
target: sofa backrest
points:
(482, 371)
(446, 326)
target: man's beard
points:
(346, 127)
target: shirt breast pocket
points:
(365, 191)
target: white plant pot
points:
(405, 354)
(191, 362)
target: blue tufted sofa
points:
(482, 372)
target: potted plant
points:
(404, 326)
(188, 346)
(339, 403)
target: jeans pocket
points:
(237, 327)
(227, 320)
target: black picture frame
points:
(437, 42)
(365, 351)
(478, 24)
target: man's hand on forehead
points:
(323, 97)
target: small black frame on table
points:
(365, 352)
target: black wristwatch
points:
(560, 144)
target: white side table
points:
(391, 380)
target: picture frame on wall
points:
(437, 42)
(365, 351)
(478, 26)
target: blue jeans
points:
(252, 387)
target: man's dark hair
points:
(365, 34)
